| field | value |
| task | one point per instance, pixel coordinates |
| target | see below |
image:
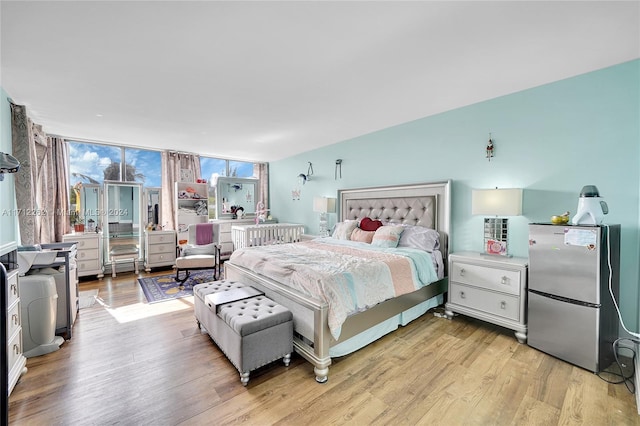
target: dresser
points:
(89, 252)
(159, 249)
(489, 288)
(16, 361)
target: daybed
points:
(321, 330)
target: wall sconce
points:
(498, 202)
(324, 205)
(490, 148)
(304, 178)
(338, 172)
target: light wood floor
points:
(131, 363)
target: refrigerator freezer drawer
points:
(565, 330)
(500, 304)
(482, 276)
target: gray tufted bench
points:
(251, 329)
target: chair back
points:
(193, 232)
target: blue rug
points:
(165, 287)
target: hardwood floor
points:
(132, 363)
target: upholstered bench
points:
(204, 316)
(251, 329)
(124, 252)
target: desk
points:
(66, 285)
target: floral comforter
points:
(349, 276)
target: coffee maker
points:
(591, 208)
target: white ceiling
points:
(264, 80)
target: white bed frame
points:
(427, 204)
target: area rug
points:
(165, 287)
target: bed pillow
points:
(420, 238)
(387, 236)
(368, 224)
(362, 235)
(343, 230)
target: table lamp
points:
(496, 202)
(324, 205)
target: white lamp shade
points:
(498, 202)
(324, 205)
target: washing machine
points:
(39, 306)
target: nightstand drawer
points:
(162, 248)
(500, 304)
(87, 243)
(87, 255)
(162, 237)
(486, 277)
(162, 258)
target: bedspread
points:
(349, 276)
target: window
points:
(95, 163)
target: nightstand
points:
(490, 288)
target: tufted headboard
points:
(426, 204)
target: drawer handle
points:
(462, 271)
(462, 295)
(503, 305)
(14, 289)
(14, 317)
(16, 349)
(504, 280)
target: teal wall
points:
(550, 140)
(8, 220)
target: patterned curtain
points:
(56, 197)
(42, 189)
(263, 175)
(172, 165)
(23, 146)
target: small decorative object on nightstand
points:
(493, 289)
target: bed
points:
(418, 206)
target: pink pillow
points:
(367, 224)
(362, 236)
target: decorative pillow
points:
(387, 236)
(343, 230)
(368, 224)
(419, 237)
(362, 236)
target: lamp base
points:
(495, 254)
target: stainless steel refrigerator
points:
(570, 310)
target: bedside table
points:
(489, 288)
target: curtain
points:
(23, 146)
(172, 165)
(42, 189)
(57, 196)
(263, 175)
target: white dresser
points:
(16, 361)
(159, 249)
(89, 252)
(490, 288)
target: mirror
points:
(233, 193)
(123, 216)
(91, 206)
(152, 197)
